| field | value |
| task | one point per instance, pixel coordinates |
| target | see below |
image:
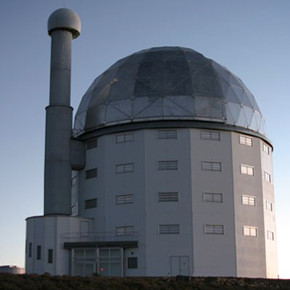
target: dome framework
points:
(167, 83)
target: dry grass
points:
(44, 282)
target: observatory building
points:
(167, 170)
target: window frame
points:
(211, 135)
(215, 166)
(169, 229)
(167, 134)
(249, 200)
(250, 231)
(206, 197)
(214, 229)
(247, 170)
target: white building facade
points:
(176, 177)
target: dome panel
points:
(167, 83)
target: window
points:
(212, 197)
(167, 134)
(250, 231)
(167, 196)
(93, 143)
(38, 252)
(91, 173)
(267, 177)
(125, 231)
(90, 203)
(30, 250)
(124, 198)
(266, 148)
(246, 140)
(211, 166)
(210, 135)
(214, 229)
(270, 235)
(168, 165)
(169, 229)
(269, 205)
(124, 168)
(249, 200)
(247, 169)
(125, 137)
(132, 263)
(50, 256)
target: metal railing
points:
(99, 237)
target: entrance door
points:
(179, 265)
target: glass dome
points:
(167, 83)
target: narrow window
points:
(214, 229)
(125, 137)
(210, 135)
(267, 177)
(167, 196)
(132, 263)
(167, 134)
(269, 205)
(124, 199)
(244, 140)
(168, 165)
(50, 256)
(250, 231)
(248, 200)
(169, 229)
(266, 148)
(90, 203)
(124, 168)
(211, 166)
(270, 235)
(93, 143)
(125, 231)
(38, 252)
(212, 197)
(30, 250)
(247, 169)
(91, 173)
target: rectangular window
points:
(93, 143)
(91, 173)
(247, 169)
(270, 235)
(266, 148)
(38, 252)
(124, 168)
(267, 177)
(212, 197)
(168, 165)
(167, 196)
(249, 200)
(211, 166)
(246, 140)
(125, 137)
(125, 231)
(250, 231)
(132, 263)
(210, 135)
(124, 198)
(167, 134)
(30, 250)
(170, 229)
(90, 203)
(269, 205)
(214, 229)
(50, 256)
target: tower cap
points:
(66, 19)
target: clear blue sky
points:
(250, 37)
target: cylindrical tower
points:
(63, 26)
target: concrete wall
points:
(192, 251)
(48, 232)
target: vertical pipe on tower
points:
(63, 26)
